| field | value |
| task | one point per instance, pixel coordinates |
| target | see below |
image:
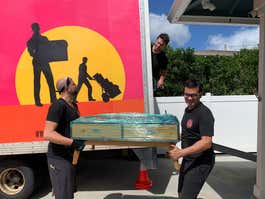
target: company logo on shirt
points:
(189, 123)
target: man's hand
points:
(78, 145)
(175, 153)
(160, 84)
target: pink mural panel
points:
(116, 20)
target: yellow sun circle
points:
(101, 55)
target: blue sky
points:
(199, 37)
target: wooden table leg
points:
(75, 157)
(176, 165)
(175, 162)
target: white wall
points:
(235, 118)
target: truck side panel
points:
(106, 32)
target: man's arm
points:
(203, 144)
(51, 135)
(83, 70)
(162, 78)
(89, 77)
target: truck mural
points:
(52, 40)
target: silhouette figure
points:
(38, 46)
(83, 79)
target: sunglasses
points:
(192, 95)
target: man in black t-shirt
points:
(196, 143)
(61, 146)
(159, 61)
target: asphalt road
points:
(111, 176)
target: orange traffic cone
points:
(143, 181)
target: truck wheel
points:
(16, 180)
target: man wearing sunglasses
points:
(196, 142)
(61, 146)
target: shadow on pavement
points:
(121, 196)
(108, 171)
(119, 174)
(105, 172)
(233, 179)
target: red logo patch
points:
(189, 123)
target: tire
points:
(16, 180)
(105, 97)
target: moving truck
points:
(102, 45)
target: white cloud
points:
(179, 34)
(243, 38)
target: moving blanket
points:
(127, 127)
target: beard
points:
(73, 95)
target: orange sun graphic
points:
(102, 57)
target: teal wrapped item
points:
(134, 127)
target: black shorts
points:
(192, 179)
(62, 176)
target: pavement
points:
(114, 178)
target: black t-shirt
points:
(159, 63)
(61, 113)
(196, 123)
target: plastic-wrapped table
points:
(126, 129)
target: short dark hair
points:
(192, 83)
(165, 37)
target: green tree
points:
(220, 75)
